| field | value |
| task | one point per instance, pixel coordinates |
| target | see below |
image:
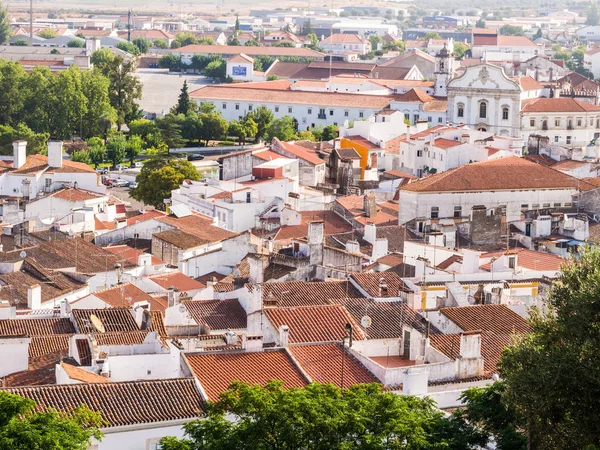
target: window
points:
(277, 109)
(568, 139)
(361, 114)
(556, 138)
(557, 205)
(237, 106)
(440, 119)
(433, 155)
(557, 122)
(504, 113)
(441, 156)
(346, 113)
(457, 212)
(249, 107)
(435, 212)
(289, 109)
(48, 182)
(578, 122)
(532, 122)
(331, 112)
(568, 205)
(525, 206)
(248, 197)
(511, 262)
(461, 110)
(483, 110)
(429, 119)
(416, 118)
(309, 110)
(224, 105)
(419, 152)
(546, 205)
(535, 206)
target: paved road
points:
(122, 193)
(161, 89)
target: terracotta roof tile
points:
(562, 104)
(530, 259)
(36, 327)
(177, 280)
(323, 364)
(85, 353)
(303, 293)
(113, 319)
(145, 216)
(354, 207)
(415, 95)
(199, 226)
(498, 319)
(130, 254)
(217, 314)
(121, 337)
(509, 173)
(41, 346)
(344, 38)
(371, 283)
(298, 151)
(37, 163)
(76, 195)
(250, 51)
(123, 295)
(84, 376)
(323, 323)
(216, 371)
(180, 239)
(125, 403)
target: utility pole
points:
(129, 25)
(31, 22)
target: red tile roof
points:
(323, 364)
(509, 173)
(445, 143)
(530, 259)
(85, 376)
(113, 319)
(76, 195)
(216, 371)
(177, 280)
(354, 206)
(344, 38)
(370, 282)
(145, 216)
(498, 319)
(123, 295)
(298, 151)
(217, 314)
(303, 293)
(130, 254)
(121, 404)
(515, 41)
(323, 323)
(250, 51)
(36, 327)
(199, 226)
(37, 163)
(561, 104)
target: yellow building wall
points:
(361, 150)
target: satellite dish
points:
(97, 323)
(182, 308)
(366, 321)
(23, 254)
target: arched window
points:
(505, 113)
(442, 65)
(482, 110)
(460, 110)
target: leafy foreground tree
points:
(21, 428)
(159, 177)
(5, 30)
(282, 129)
(321, 417)
(552, 376)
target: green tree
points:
(511, 30)
(99, 115)
(97, 151)
(320, 417)
(12, 78)
(432, 35)
(208, 108)
(161, 43)
(37, 99)
(314, 40)
(36, 142)
(243, 129)
(159, 177)
(183, 103)
(76, 43)
(306, 135)
(101, 58)
(170, 130)
(263, 117)
(142, 127)
(538, 34)
(142, 44)
(186, 38)
(5, 29)
(116, 148)
(128, 47)
(480, 23)
(135, 144)
(69, 106)
(233, 40)
(47, 33)
(375, 41)
(552, 375)
(459, 49)
(317, 132)
(214, 127)
(283, 129)
(82, 156)
(593, 18)
(22, 428)
(21, 42)
(124, 88)
(272, 77)
(169, 61)
(237, 23)
(486, 410)
(307, 29)
(215, 69)
(330, 132)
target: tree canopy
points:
(322, 417)
(21, 428)
(159, 177)
(5, 29)
(283, 129)
(593, 18)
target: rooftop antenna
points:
(31, 22)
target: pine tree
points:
(237, 23)
(183, 104)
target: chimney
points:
(316, 231)
(19, 153)
(370, 205)
(230, 338)
(383, 288)
(14, 354)
(257, 268)
(63, 308)
(470, 344)
(284, 333)
(55, 154)
(352, 246)
(144, 259)
(34, 297)
(370, 234)
(374, 161)
(252, 342)
(172, 298)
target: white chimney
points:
(14, 354)
(34, 297)
(55, 153)
(19, 153)
(252, 342)
(144, 259)
(470, 344)
(284, 333)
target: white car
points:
(120, 183)
(121, 167)
(132, 185)
(138, 165)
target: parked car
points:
(121, 167)
(107, 182)
(102, 170)
(138, 165)
(132, 185)
(120, 183)
(195, 157)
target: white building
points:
(345, 45)
(591, 61)
(589, 33)
(513, 183)
(240, 67)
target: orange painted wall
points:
(360, 149)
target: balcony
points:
(322, 116)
